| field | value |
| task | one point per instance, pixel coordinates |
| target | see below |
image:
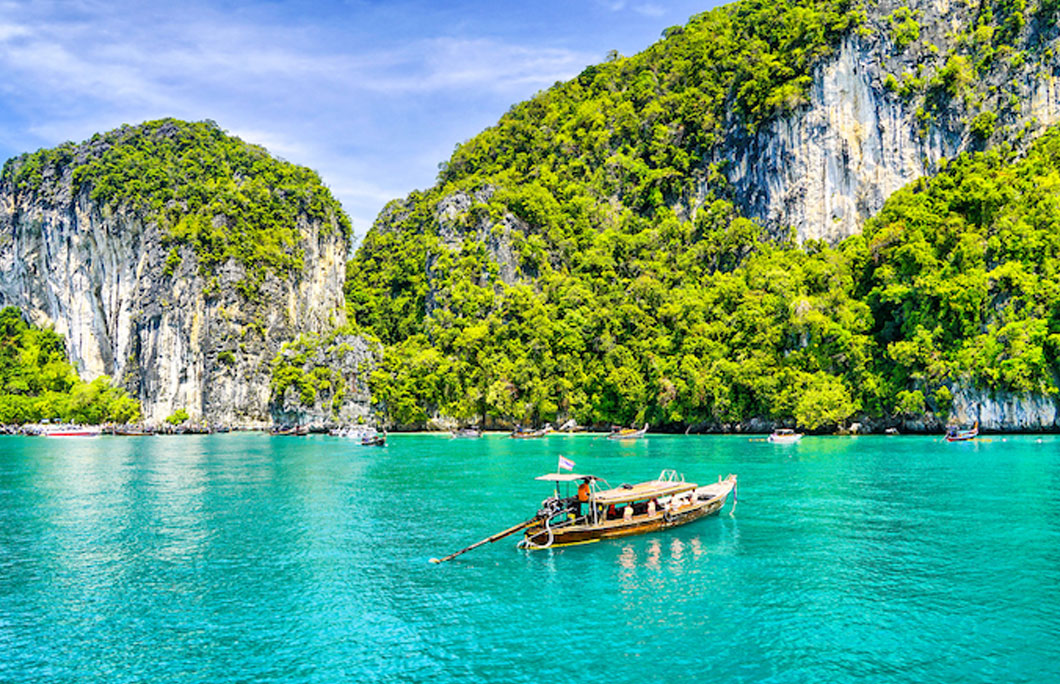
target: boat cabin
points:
(605, 504)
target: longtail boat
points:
(467, 433)
(629, 433)
(955, 435)
(529, 434)
(600, 511)
(610, 512)
(374, 439)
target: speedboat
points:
(785, 436)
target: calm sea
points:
(249, 558)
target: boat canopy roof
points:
(644, 490)
(564, 477)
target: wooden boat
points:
(291, 430)
(133, 432)
(955, 435)
(629, 433)
(374, 439)
(467, 433)
(520, 433)
(659, 504)
(784, 436)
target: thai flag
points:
(566, 463)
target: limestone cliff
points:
(139, 304)
(887, 107)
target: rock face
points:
(173, 335)
(825, 168)
(343, 398)
(1006, 411)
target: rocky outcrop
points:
(329, 384)
(142, 311)
(829, 165)
(1005, 411)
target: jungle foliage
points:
(553, 272)
(37, 382)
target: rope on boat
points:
(526, 543)
(550, 507)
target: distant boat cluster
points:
(371, 436)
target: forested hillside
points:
(37, 383)
(586, 257)
(174, 258)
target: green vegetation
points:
(299, 365)
(955, 283)
(223, 197)
(962, 272)
(616, 306)
(579, 183)
(177, 417)
(37, 383)
(904, 27)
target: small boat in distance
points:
(522, 433)
(374, 439)
(784, 436)
(71, 431)
(629, 433)
(955, 435)
(291, 430)
(466, 433)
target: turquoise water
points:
(249, 558)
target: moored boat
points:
(71, 431)
(784, 436)
(467, 433)
(521, 433)
(605, 512)
(629, 433)
(132, 432)
(374, 439)
(955, 435)
(291, 430)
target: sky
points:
(371, 95)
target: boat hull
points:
(569, 535)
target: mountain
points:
(676, 236)
(177, 260)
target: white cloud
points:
(649, 10)
(373, 117)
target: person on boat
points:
(583, 495)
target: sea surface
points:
(250, 558)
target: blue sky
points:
(372, 95)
